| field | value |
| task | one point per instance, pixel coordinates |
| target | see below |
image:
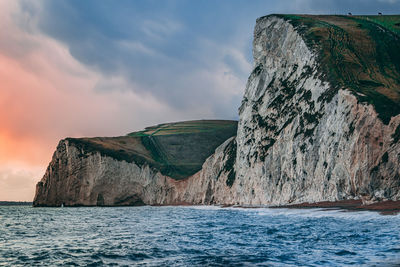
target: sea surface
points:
(196, 236)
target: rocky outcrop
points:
(302, 136)
(302, 140)
(77, 178)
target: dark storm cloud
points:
(181, 52)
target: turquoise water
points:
(196, 236)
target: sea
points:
(196, 236)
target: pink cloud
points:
(47, 95)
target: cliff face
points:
(77, 178)
(174, 163)
(319, 121)
(302, 138)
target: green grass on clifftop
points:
(360, 53)
(182, 147)
(176, 149)
(390, 22)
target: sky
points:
(106, 68)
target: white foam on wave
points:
(304, 213)
(204, 207)
(324, 213)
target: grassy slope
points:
(361, 53)
(176, 149)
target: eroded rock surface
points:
(74, 178)
(302, 140)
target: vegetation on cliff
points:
(360, 53)
(176, 149)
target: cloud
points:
(17, 183)
(389, 1)
(161, 28)
(155, 49)
(341, 6)
(48, 95)
(164, 48)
